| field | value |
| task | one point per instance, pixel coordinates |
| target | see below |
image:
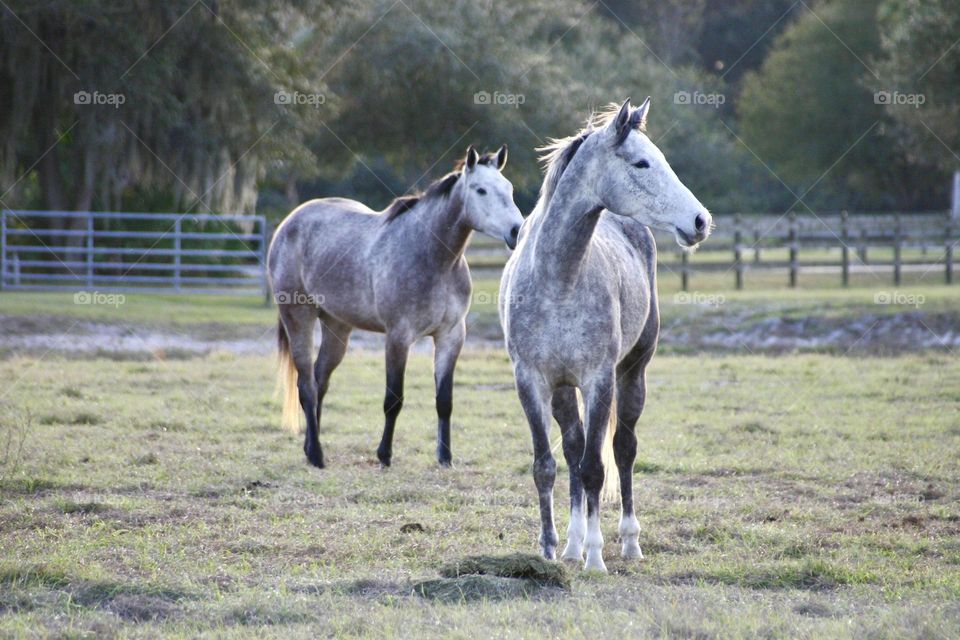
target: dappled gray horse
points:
(400, 272)
(578, 302)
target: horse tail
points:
(611, 476)
(287, 381)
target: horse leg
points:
(333, 346)
(567, 415)
(446, 350)
(299, 322)
(598, 397)
(535, 398)
(631, 395)
(397, 350)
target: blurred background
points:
(786, 112)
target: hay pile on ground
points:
(516, 575)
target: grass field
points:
(802, 495)
(215, 312)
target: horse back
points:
(320, 250)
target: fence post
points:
(684, 266)
(948, 273)
(266, 236)
(738, 250)
(845, 248)
(90, 250)
(897, 242)
(3, 248)
(862, 250)
(793, 248)
(177, 247)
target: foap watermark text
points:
(99, 298)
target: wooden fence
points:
(793, 244)
(225, 254)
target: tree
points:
(809, 116)
(109, 100)
(920, 59)
(430, 77)
(736, 35)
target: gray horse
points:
(400, 272)
(578, 301)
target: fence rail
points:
(191, 253)
(206, 253)
(841, 244)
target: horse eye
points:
(482, 191)
(643, 164)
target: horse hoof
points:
(549, 553)
(595, 562)
(446, 464)
(314, 456)
(631, 551)
(572, 554)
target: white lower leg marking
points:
(594, 545)
(575, 533)
(629, 535)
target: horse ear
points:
(620, 123)
(502, 158)
(639, 117)
(472, 157)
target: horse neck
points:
(568, 224)
(447, 232)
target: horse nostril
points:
(700, 223)
(515, 231)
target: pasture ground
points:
(804, 495)
(879, 318)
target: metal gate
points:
(193, 253)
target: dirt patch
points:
(868, 333)
(141, 608)
(725, 330)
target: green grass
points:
(807, 495)
(761, 288)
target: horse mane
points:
(558, 152)
(438, 189)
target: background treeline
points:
(783, 97)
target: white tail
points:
(611, 476)
(287, 382)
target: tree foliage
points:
(920, 58)
(106, 99)
(811, 113)
(387, 95)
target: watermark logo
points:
(485, 297)
(896, 98)
(914, 300)
(499, 98)
(698, 98)
(699, 298)
(298, 98)
(99, 298)
(96, 98)
(298, 297)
